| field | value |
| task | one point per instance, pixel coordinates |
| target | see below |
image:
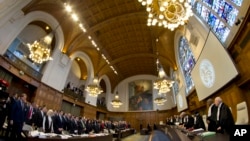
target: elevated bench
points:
(123, 133)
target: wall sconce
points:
(21, 73)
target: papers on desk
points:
(38, 134)
(45, 135)
(34, 133)
(65, 136)
(196, 131)
(84, 135)
(207, 134)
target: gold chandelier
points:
(162, 84)
(160, 100)
(93, 89)
(40, 50)
(167, 13)
(116, 103)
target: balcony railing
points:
(18, 63)
(72, 94)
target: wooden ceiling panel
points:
(120, 31)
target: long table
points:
(176, 134)
(123, 133)
(96, 138)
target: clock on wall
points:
(207, 73)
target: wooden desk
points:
(96, 138)
(176, 134)
(124, 133)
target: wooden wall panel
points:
(49, 97)
(89, 112)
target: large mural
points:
(140, 95)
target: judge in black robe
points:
(225, 121)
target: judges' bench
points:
(176, 134)
(123, 133)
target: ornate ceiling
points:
(120, 31)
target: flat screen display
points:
(181, 100)
(213, 69)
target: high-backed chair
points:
(204, 117)
(27, 127)
(242, 114)
(26, 130)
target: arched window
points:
(187, 62)
(219, 15)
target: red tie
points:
(30, 113)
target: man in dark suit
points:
(38, 117)
(188, 120)
(31, 114)
(198, 121)
(58, 123)
(17, 117)
(11, 100)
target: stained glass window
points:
(219, 15)
(237, 2)
(187, 62)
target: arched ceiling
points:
(120, 31)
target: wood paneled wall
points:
(144, 118)
(49, 97)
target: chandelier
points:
(40, 50)
(160, 100)
(162, 83)
(93, 89)
(167, 13)
(116, 103)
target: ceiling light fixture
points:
(162, 83)
(40, 49)
(94, 89)
(116, 103)
(167, 13)
(160, 100)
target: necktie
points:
(30, 113)
(22, 104)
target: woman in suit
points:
(48, 122)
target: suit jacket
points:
(189, 121)
(199, 123)
(33, 116)
(74, 126)
(39, 118)
(58, 123)
(18, 112)
(48, 125)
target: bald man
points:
(224, 117)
